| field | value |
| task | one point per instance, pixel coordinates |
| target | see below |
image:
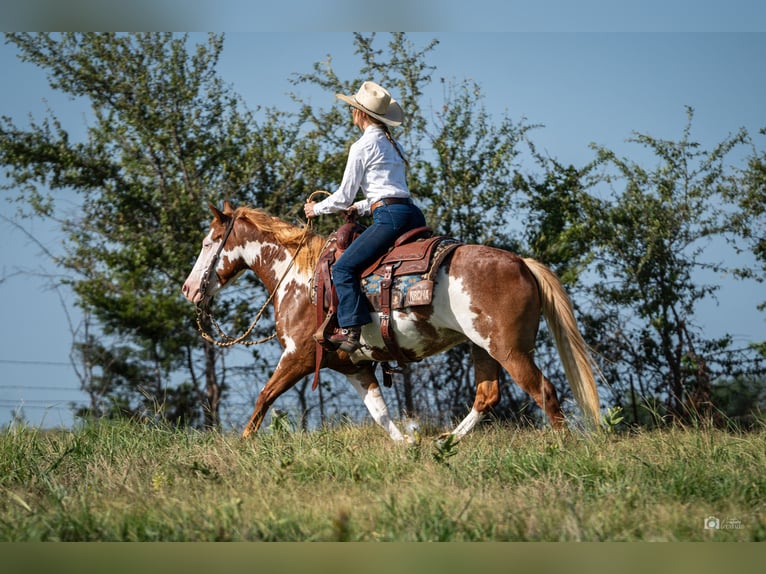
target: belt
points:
(390, 201)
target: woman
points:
(376, 165)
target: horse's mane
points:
(286, 234)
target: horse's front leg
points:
(366, 385)
(289, 371)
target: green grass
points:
(121, 481)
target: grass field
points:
(122, 481)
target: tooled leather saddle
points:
(402, 277)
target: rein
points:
(203, 307)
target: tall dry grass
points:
(123, 481)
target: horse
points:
(490, 297)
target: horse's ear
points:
(228, 208)
(219, 216)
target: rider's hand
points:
(351, 211)
(308, 209)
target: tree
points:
(557, 207)
(166, 136)
(649, 242)
(747, 219)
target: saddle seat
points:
(412, 247)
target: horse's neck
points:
(272, 262)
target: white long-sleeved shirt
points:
(373, 166)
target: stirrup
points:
(346, 339)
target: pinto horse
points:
(490, 297)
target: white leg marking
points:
(373, 400)
(467, 423)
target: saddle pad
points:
(406, 291)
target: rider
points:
(377, 166)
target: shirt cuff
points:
(362, 207)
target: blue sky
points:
(583, 87)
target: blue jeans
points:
(389, 222)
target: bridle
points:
(205, 281)
(202, 308)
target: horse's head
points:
(215, 266)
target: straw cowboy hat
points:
(375, 101)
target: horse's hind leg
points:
(524, 372)
(528, 376)
(487, 375)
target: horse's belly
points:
(420, 331)
(415, 336)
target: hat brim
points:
(394, 115)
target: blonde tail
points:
(574, 354)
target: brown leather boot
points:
(346, 339)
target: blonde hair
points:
(389, 137)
